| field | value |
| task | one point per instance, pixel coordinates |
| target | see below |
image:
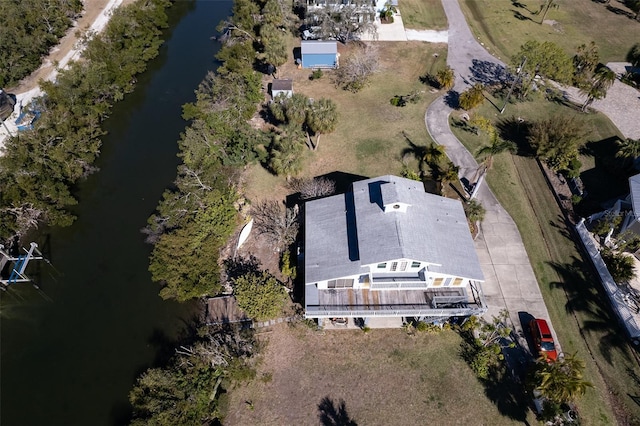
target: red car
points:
(543, 340)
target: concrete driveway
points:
(509, 279)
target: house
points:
(388, 249)
(319, 54)
(631, 220)
(281, 86)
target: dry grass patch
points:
(385, 377)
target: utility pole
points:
(524, 61)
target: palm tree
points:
(433, 155)
(472, 97)
(602, 80)
(495, 147)
(447, 173)
(286, 155)
(475, 211)
(561, 381)
(629, 149)
(322, 117)
(446, 78)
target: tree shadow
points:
(237, 267)
(452, 99)
(518, 15)
(516, 130)
(331, 414)
(430, 80)
(519, 5)
(489, 73)
(618, 11)
(585, 294)
(504, 382)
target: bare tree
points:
(279, 225)
(357, 68)
(314, 187)
(343, 22)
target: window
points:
(341, 283)
(438, 282)
(447, 282)
(415, 264)
(403, 266)
(382, 265)
(457, 281)
(394, 266)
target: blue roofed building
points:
(319, 54)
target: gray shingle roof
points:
(282, 84)
(318, 47)
(634, 189)
(432, 229)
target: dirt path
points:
(92, 11)
(95, 16)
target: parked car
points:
(542, 339)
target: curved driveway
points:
(509, 279)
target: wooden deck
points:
(371, 299)
(224, 310)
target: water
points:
(71, 354)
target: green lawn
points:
(504, 25)
(423, 14)
(577, 306)
(369, 138)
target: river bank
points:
(100, 321)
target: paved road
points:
(510, 281)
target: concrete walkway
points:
(509, 279)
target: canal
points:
(71, 352)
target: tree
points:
(322, 117)
(482, 348)
(602, 80)
(560, 381)
(313, 187)
(278, 225)
(585, 62)
(342, 22)
(182, 256)
(285, 153)
(447, 173)
(472, 97)
(634, 55)
(290, 109)
(433, 154)
(620, 266)
(387, 12)
(496, 146)
(557, 140)
(446, 78)
(546, 59)
(357, 68)
(260, 296)
(475, 211)
(628, 149)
